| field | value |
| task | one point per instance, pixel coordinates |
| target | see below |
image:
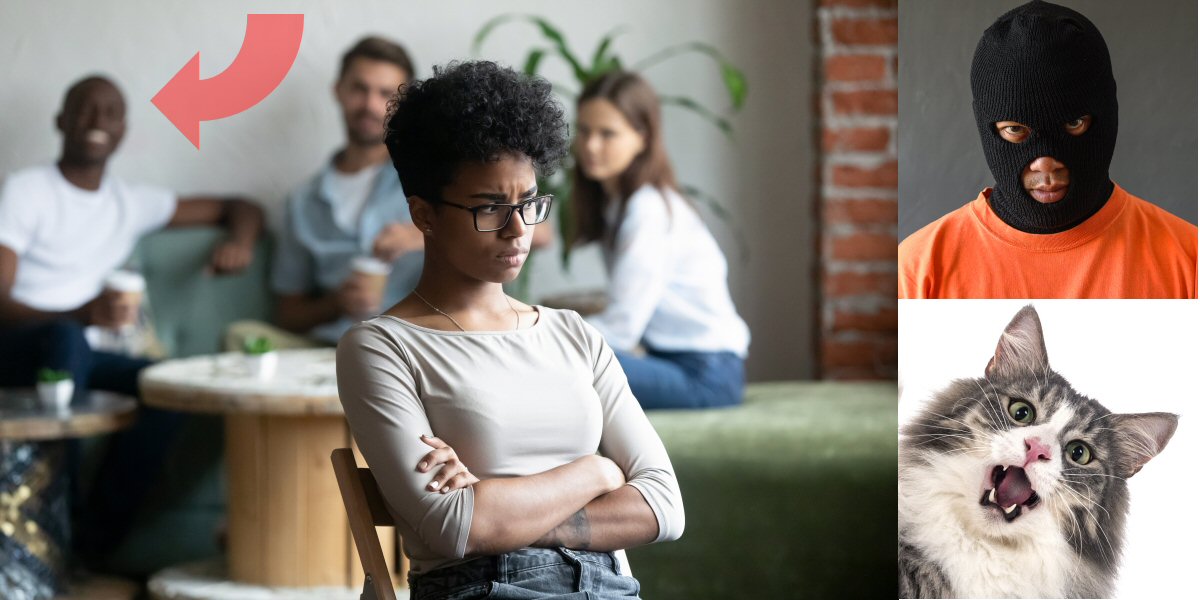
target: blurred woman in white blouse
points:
(667, 291)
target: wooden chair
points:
(366, 510)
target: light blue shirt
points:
(313, 253)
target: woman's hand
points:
(453, 475)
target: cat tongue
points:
(1014, 488)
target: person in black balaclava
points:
(1043, 68)
(1053, 225)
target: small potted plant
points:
(55, 388)
(261, 357)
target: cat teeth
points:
(1008, 510)
(992, 496)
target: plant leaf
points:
(735, 84)
(565, 213)
(532, 61)
(560, 43)
(548, 31)
(600, 63)
(695, 107)
(486, 30)
(731, 76)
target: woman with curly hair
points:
(503, 436)
(667, 277)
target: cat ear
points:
(1141, 437)
(1021, 349)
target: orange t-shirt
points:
(1129, 249)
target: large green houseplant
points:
(604, 59)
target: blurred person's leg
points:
(684, 379)
(59, 345)
(133, 463)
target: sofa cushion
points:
(190, 306)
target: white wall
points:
(765, 175)
(1131, 356)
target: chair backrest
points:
(366, 510)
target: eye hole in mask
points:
(1014, 132)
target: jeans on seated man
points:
(64, 228)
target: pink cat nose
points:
(1035, 450)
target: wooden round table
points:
(287, 525)
(34, 487)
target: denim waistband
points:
(507, 566)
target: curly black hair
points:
(470, 112)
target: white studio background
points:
(1131, 356)
(764, 176)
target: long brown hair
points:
(638, 103)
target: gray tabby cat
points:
(1013, 485)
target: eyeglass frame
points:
(512, 208)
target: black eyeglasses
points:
(494, 217)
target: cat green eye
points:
(1079, 452)
(1021, 412)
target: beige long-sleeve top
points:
(510, 403)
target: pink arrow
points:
(267, 54)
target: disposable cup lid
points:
(125, 281)
(370, 266)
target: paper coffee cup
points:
(126, 282)
(373, 270)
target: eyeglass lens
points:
(496, 217)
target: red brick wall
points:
(857, 197)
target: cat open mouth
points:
(1009, 491)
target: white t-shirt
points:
(351, 191)
(510, 403)
(68, 239)
(667, 281)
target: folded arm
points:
(617, 520)
(513, 513)
(509, 512)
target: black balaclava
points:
(1043, 66)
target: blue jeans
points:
(684, 379)
(135, 456)
(528, 574)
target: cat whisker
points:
(1099, 528)
(949, 418)
(1087, 475)
(1086, 499)
(942, 437)
(988, 405)
(1060, 507)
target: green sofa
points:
(788, 495)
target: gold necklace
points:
(456, 323)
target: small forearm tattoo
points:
(574, 533)
(577, 531)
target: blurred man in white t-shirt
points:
(64, 228)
